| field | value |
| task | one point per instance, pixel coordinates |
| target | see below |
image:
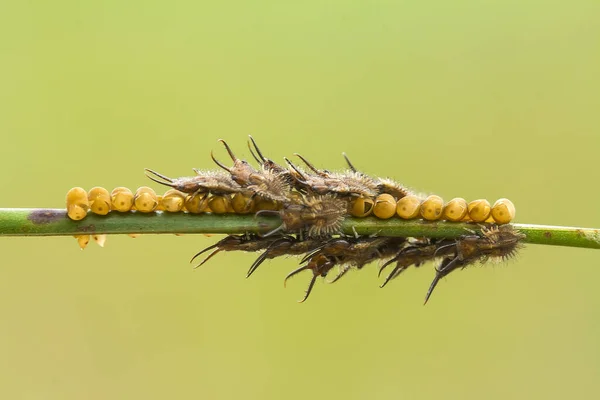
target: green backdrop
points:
(464, 98)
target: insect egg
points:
(242, 203)
(83, 240)
(77, 203)
(385, 206)
(219, 204)
(408, 207)
(479, 210)
(159, 200)
(99, 199)
(172, 201)
(265, 204)
(361, 207)
(100, 239)
(455, 210)
(145, 199)
(121, 199)
(503, 211)
(431, 208)
(196, 203)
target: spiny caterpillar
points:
(312, 203)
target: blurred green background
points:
(465, 98)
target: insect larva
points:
(497, 242)
(77, 203)
(266, 182)
(215, 182)
(121, 199)
(314, 215)
(324, 182)
(348, 253)
(99, 200)
(415, 253)
(145, 199)
(383, 185)
(273, 247)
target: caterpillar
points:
(321, 256)
(312, 203)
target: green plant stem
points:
(54, 222)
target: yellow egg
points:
(145, 199)
(361, 207)
(121, 199)
(197, 203)
(431, 208)
(159, 200)
(99, 199)
(242, 204)
(261, 203)
(83, 240)
(408, 207)
(172, 201)
(100, 239)
(219, 204)
(455, 210)
(503, 211)
(77, 203)
(479, 210)
(385, 206)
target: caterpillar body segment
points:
(317, 216)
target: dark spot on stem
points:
(46, 216)
(548, 234)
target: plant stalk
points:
(54, 222)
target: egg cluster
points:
(311, 204)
